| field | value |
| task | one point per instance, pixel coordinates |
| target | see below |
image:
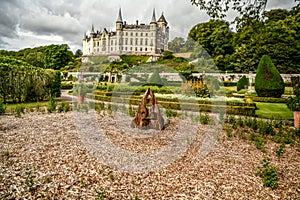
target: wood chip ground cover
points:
(43, 157)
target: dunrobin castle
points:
(130, 39)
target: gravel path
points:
(42, 156)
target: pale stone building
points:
(130, 39)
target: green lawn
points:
(27, 105)
(273, 110)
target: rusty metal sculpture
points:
(148, 119)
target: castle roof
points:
(162, 19)
(153, 20)
(120, 16)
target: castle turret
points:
(153, 22)
(162, 22)
(119, 22)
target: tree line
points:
(57, 57)
(276, 33)
(21, 82)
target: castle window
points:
(126, 33)
(146, 34)
(112, 42)
(145, 49)
(141, 41)
(125, 48)
(135, 48)
(141, 34)
(136, 34)
(126, 41)
(98, 44)
(141, 49)
(131, 41)
(136, 41)
(130, 48)
(131, 33)
(111, 49)
(146, 41)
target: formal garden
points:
(240, 139)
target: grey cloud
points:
(9, 18)
(69, 19)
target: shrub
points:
(19, 110)
(268, 174)
(2, 107)
(171, 113)
(52, 104)
(242, 83)
(155, 79)
(280, 150)
(268, 81)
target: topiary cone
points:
(268, 81)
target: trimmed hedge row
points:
(269, 99)
(236, 108)
(162, 99)
(65, 86)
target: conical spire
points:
(120, 16)
(92, 31)
(153, 20)
(162, 19)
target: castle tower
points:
(163, 40)
(119, 27)
(162, 22)
(153, 27)
(119, 22)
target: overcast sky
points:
(31, 23)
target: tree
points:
(78, 53)
(268, 81)
(56, 86)
(176, 44)
(277, 36)
(219, 8)
(242, 83)
(216, 38)
(57, 56)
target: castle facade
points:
(129, 39)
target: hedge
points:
(269, 99)
(236, 108)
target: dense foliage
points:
(219, 8)
(57, 57)
(22, 82)
(242, 83)
(276, 33)
(294, 102)
(268, 81)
